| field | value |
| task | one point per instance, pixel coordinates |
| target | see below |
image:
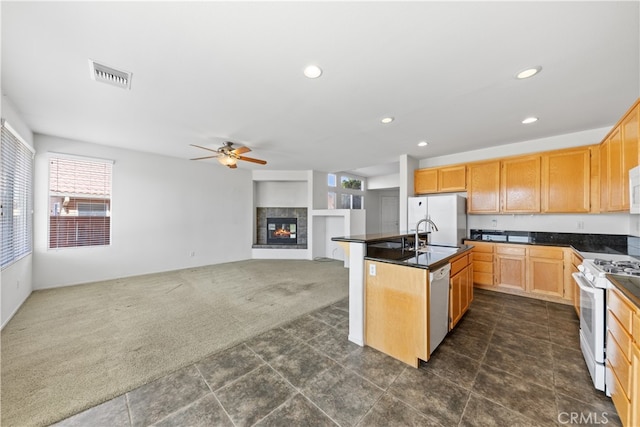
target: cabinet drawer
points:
(620, 400)
(622, 309)
(619, 364)
(511, 250)
(546, 252)
(622, 337)
(636, 328)
(483, 267)
(458, 264)
(482, 256)
(480, 247)
(576, 259)
(483, 278)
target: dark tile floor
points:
(512, 361)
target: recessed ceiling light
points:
(313, 71)
(423, 144)
(530, 120)
(528, 72)
(387, 120)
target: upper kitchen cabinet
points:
(566, 179)
(520, 184)
(618, 154)
(483, 187)
(447, 179)
(504, 186)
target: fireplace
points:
(282, 231)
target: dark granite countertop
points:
(429, 257)
(581, 242)
(628, 285)
(377, 237)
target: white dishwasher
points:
(438, 306)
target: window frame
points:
(81, 200)
(21, 172)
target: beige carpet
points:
(68, 349)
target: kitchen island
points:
(398, 280)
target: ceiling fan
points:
(229, 156)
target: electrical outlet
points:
(494, 223)
(580, 225)
(372, 269)
(192, 254)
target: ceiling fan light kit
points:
(229, 156)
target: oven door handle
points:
(583, 284)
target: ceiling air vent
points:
(106, 74)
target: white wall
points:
(15, 280)
(163, 210)
(372, 206)
(281, 194)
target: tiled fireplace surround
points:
(261, 232)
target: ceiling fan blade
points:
(249, 159)
(204, 148)
(241, 150)
(206, 157)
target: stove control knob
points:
(581, 268)
(590, 277)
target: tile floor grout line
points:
(126, 399)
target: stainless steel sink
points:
(445, 250)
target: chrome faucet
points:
(417, 238)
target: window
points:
(79, 202)
(349, 195)
(16, 196)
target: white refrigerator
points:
(447, 211)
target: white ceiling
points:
(207, 72)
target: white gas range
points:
(593, 284)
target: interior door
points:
(389, 214)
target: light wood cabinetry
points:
(545, 267)
(461, 288)
(573, 261)
(446, 179)
(566, 181)
(483, 187)
(425, 181)
(396, 316)
(520, 184)
(635, 372)
(536, 271)
(622, 354)
(482, 263)
(619, 153)
(510, 266)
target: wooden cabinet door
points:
(630, 145)
(455, 298)
(483, 187)
(546, 271)
(520, 184)
(396, 315)
(511, 266)
(425, 181)
(452, 178)
(566, 181)
(614, 171)
(604, 177)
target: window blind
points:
(79, 202)
(16, 197)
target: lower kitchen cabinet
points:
(460, 288)
(510, 266)
(482, 265)
(622, 356)
(545, 266)
(396, 316)
(535, 271)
